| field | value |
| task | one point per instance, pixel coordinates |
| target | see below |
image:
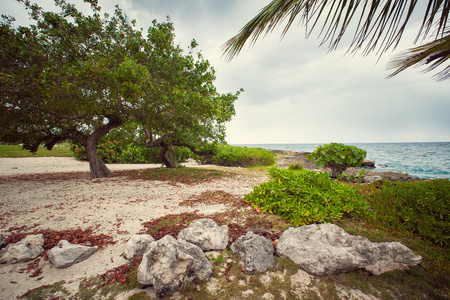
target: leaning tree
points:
(76, 77)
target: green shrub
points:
(421, 207)
(113, 152)
(108, 151)
(338, 157)
(227, 155)
(305, 197)
(296, 166)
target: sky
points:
(294, 90)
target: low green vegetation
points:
(14, 151)
(421, 208)
(305, 197)
(226, 155)
(338, 157)
(113, 151)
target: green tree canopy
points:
(377, 25)
(76, 77)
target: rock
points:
(66, 254)
(368, 163)
(1, 242)
(169, 265)
(206, 234)
(326, 249)
(372, 179)
(137, 245)
(255, 251)
(27, 249)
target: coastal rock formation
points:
(326, 249)
(66, 254)
(137, 245)
(206, 234)
(169, 265)
(255, 251)
(27, 249)
(368, 164)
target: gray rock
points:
(368, 163)
(169, 265)
(255, 251)
(27, 249)
(66, 254)
(372, 179)
(326, 249)
(137, 245)
(1, 242)
(206, 234)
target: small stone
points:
(66, 254)
(27, 249)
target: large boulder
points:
(137, 245)
(66, 254)
(27, 249)
(169, 265)
(206, 234)
(326, 249)
(255, 251)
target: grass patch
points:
(15, 151)
(179, 175)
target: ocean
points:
(422, 160)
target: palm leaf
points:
(380, 24)
(433, 54)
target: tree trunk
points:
(164, 157)
(96, 164)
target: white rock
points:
(66, 254)
(27, 249)
(169, 265)
(326, 249)
(206, 234)
(137, 245)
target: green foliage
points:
(357, 178)
(226, 155)
(296, 166)
(338, 157)
(422, 207)
(305, 197)
(112, 151)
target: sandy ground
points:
(113, 206)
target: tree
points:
(76, 77)
(194, 113)
(377, 25)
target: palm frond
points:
(380, 24)
(433, 54)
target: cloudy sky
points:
(295, 91)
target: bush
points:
(113, 152)
(338, 157)
(226, 155)
(421, 207)
(305, 197)
(296, 166)
(108, 151)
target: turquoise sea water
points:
(423, 160)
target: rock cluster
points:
(170, 264)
